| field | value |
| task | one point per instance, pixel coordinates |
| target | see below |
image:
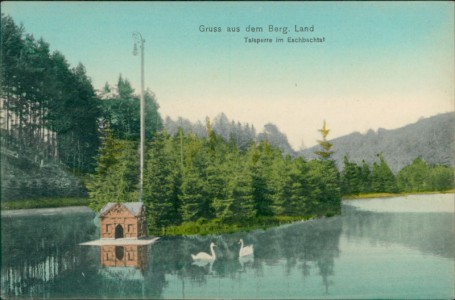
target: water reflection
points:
(301, 259)
(298, 246)
(39, 250)
(124, 256)
(432, 233)
(46, 260)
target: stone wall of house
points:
(130, 224)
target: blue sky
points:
(381, 65)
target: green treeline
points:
(46, 105)
(51, 112)
(199, 184)
(416, 177)
(189, 179)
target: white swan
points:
(202, 256)
(245, 251)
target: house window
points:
(130, 227)
(108, 228)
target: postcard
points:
(227, 150)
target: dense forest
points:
(61, 137)
(46, 104)
(191, 180)
(52, 117)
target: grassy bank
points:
(45, 203)
(390, 195)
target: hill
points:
(26, 174)
(431, 138)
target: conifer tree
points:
(222, 177)
(350, 178)
(196, 202)
(240, 203)
(260, 169)
(162, 183)
(294, 194)
(116, 177)
(325, 153)
(382, 178)
(323, 180)
(365, 178)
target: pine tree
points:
(325, 153)
(365, 178)
(240, 199)
(295, 192)
(162, 183)
(260, 169)
(116, 175)
(121, 111)
(350, 178)
(196, 203)
(382, 178)
(324, 190)
(46, 104)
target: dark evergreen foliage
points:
(116, 175)
(192, 179)
(416, 177)
(46, 105)
(382, 178)
(419, 177)
(121, 111)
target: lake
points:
(401, 248)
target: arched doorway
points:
(118, 231)
(119, 252)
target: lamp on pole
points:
(139, 40)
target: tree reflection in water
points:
(298, 245)
(41, 257)
(427, 232)
(37, 251)
(46, 260)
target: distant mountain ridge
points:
(243, 133)
(432, 139)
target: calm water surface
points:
(401, 248)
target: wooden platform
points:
(120, 242)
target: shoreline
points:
(86, 209)
(392, 195)
(45, 211)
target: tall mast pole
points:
(141, 41)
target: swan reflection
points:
(202, 259)
(246, 254)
